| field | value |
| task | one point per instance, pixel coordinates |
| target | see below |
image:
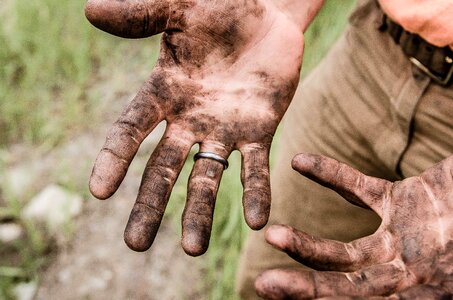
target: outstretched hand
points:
(226, 73)
(409, 257)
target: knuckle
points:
(203, 181)
(129, 129)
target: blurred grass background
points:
(49, 57)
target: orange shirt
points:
(431, 19)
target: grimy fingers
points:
(359, 298)
(300, 284)
(256, 198)
(323, 254)
(123, 140)
(424, 291)
(201, 195)
(354, 186)
(159, 177)
(130, 18)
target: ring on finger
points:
(212, 156)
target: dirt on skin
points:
(96, 263)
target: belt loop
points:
(381, 20)
(383, 25)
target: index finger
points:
(139, 118)
(354, 186)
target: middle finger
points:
(160, 175)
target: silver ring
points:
(212, 156)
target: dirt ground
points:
(95, 263)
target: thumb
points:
(132, 18)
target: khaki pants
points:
(365, 105)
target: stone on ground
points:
(53, 206)
(10, 232)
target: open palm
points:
(226, 73)
(409, 257)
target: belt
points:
(436, 62)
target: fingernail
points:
(194, 242)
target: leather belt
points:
(436, 62)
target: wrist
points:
(301, 12)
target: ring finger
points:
(203, 185)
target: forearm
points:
(301, 11)
(432, 20)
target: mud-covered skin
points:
(410, 256)
(225, 76)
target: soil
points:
(95, 263)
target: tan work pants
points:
(365, 105)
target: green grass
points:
(49, 57)
(323, 32)
(22, 260)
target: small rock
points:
(24, 177)
(19, 181)
(96, 283)
(10, 232)
(65, 276)
(25, 290)
(54, 206)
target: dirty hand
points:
(226, 73)
(409, 257)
